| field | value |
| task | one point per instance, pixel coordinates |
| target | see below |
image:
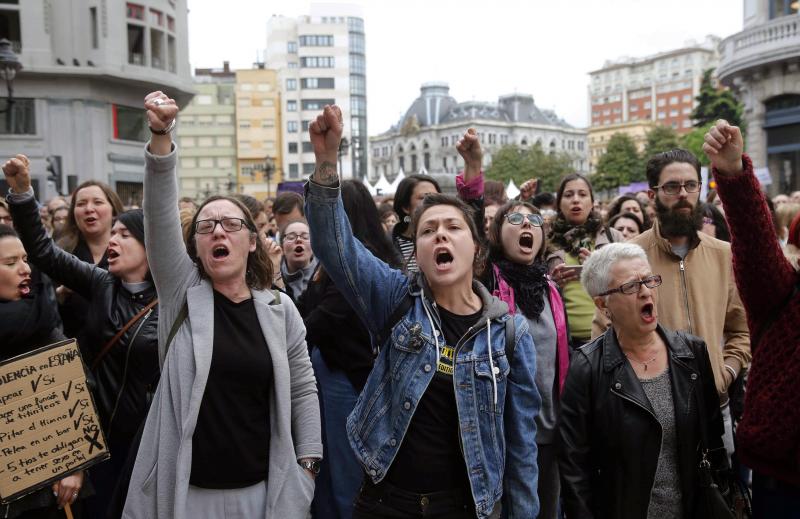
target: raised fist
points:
(17, 172)
(161, 110)
(469, 147)
(724, 147)
(325, 133)
(528, 189)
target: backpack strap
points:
(183, 313)
(402, 309)
(511, 339)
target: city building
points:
(761, 64)
(426, 136)
(600, 135)
(320, 59)
(659, 88)
(87, 67)
(207, 135)
(258, 133)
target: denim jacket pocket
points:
(485, 384)
(407, 336)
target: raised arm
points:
(64, 268)
(170, 265)
(371, 287)
(763, 274)
(470, 182)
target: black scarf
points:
(529, 283)
(571, 237)
(27, 324)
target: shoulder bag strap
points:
(120, 333)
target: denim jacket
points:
(497, 403)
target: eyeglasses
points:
(633, 287)
(517, 218)
(673, 188)
(229, 224)
(293, 236)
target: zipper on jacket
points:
(686, 295)
(125, 373)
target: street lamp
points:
(9, 66)
(268, 168)
(343, 147)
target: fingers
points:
(332, 118)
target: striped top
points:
(407, 250)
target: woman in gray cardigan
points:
(234, 427)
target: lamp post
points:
(268, 168)
(9, 66)
(343, 147)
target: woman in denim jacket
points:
(445, 426)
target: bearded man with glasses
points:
(699, 294)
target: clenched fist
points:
(325, 133)
(17, 172)
(724, 147)
(161, 110)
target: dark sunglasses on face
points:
(673, 188)
(517, 219)
(229, 224)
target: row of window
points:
(206, 141)
(257, 123)
(317, 62)
(247, 101)
(206, 120)
(308, 104)
(316, 40)
(311, 83)
(308, 168)
(306, 147)
(268, 145)
(490, 138)
(207, 162)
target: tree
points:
(714, 103)
(660, 139)
(521, 164)
(693, 141)
(620, 165)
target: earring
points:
(407, 219)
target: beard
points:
(673, 223)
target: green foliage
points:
(521, 164)
(693, 141)
(620, 165)
(660, 139)
(714, 103)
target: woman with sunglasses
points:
(234, 428)
(445, 426)
(640, 409)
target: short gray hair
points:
(597, 269)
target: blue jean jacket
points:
(497, 403)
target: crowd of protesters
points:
(335, 355)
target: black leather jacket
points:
(130, 371)
(610, 437)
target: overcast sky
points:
(482, 48)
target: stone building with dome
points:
(425, 137)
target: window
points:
(316, 104)
(356, 43)
(156, 18)
(358, 85)
(292, 64)
(263, 87)
(170, 23)
(205, 142)
(358, 105)
(135, 11)
(246, 87)
(94, 27)
(24, 117)
(293, 170)
(662, 115)
(135, 44)
(188, 163)
(673, 100)
(223, 119)
(224, 162)
(782, 8)
(316, 40)
(317, 82)
(268, 123)
(187, 142)
(203, 99)
(445, 142)
(634, 107)
(206, 162)
(291, 106)
(291, 47)
(291, 126)
(244, 124)
(687, 111)
(308, 168)
(687, 123)
(205, 120)
(317, 62)
(648, 105)
(291, 84)
(687, 98)
(224, 141)
(292, 147)
(307, 148)
(157, 49)
(662, 102)
(673, 113)
(358, 64)
(129, 123)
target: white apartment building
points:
(87, 66)
(320, 60)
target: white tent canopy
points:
(370, 188)
(382, 186)
(512, 191)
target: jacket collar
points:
(493, 307)
(612, 351)
(664, 244)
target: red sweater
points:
(769, 433)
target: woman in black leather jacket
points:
(630, 428)
(127, 372)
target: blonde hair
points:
(784, 214)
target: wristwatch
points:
(312, 466)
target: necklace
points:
(645, 363)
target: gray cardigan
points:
(160, 480)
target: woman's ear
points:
(600, 303)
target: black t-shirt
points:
(230, 446)
(430, 457)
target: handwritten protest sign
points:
(48, 423)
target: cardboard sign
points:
(48, 422)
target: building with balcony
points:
(657, 89)
(258, 131)
(762, 66)
(207, 136)
(87, 67)
(426, 136)
(320, 59)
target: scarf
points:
(529, 283)
(571, 238)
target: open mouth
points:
(112, 254)
(299, 249)
(90, 220)
(526, 240)
(444, 258)
(647, 312)
(220, 252)
(25, 287)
